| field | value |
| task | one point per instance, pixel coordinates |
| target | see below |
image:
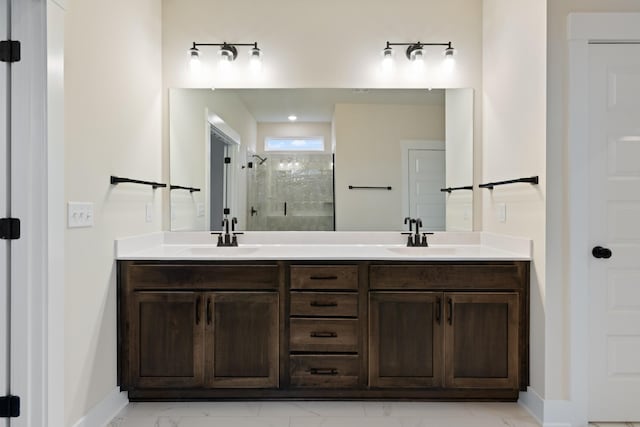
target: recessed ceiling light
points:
(292, 118)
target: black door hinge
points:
(9, 51)
(9, 228)
(9, 407)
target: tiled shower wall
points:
(302, 181)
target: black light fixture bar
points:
(179, 187)
(450, 189)
(117, 180)
(419, 44)
(254, 44)
(531, 180)
(413, 48)
(354, 187)
(227, 50)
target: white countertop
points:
(291, 245)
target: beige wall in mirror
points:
(416, 141)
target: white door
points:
(614, 224)
(4, 213)
(426, 178)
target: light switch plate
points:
(501, 212)
(79, 214)
(148, 212)
(200, 209)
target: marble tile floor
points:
(323, 414)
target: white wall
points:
(113, 94)
(368, 153)
(301, 129)
(514, 119)
(459, 158)
(189, 136)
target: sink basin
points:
(423, 251)
(218, 251)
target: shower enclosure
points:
(291, 192)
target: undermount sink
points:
(422, 250)
(218, 251)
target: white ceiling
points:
(317, 105)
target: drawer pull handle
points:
(324, 335)
(317, 371)
(323, 278)
(323, 304)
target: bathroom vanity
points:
(361, 321)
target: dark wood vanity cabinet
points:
(449, 340)
(195, 333)
(405, 339)
(166, 340)
(292, 329)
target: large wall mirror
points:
(321, 159)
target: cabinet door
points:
(167, 334)
(241, 339)
(405, 339)
(481, 340)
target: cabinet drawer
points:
(324, 304)
(324, 371)
(324, 277)
(321, 335)
(218, 277)
(447, 276)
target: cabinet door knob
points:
(600, 252)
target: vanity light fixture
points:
(292, 118)
(228, 53)
(415, 51)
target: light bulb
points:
(194, 59)
(449, 59)
(255, 59)
(387, 58)
(292, 118)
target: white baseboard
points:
(104, 411)
(548, 413)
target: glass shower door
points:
(292, 192)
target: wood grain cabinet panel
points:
(325, 371)
(203, 277)
(167, 339)
(324, 335)
(324, 304)
(324, 277)
(405, 339)
(437, 276)
(481, 340)
(241, 340)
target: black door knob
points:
(600, 252)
